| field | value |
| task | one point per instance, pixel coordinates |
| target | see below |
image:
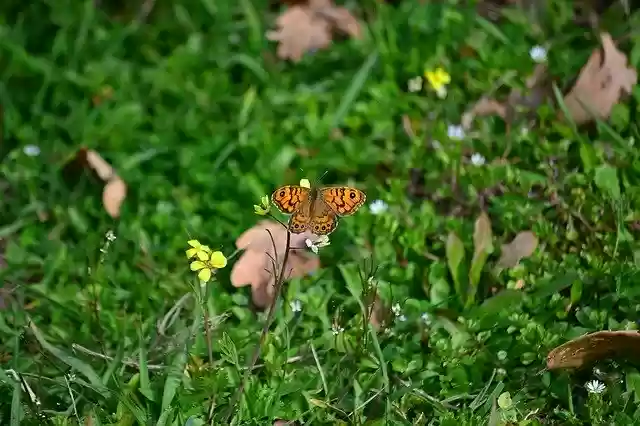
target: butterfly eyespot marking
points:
(352, 194)
(282, 193)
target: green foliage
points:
(200, 120)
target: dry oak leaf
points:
(255, 267)
(587, 349)
(602, 82)
(304, 28)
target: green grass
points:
(204, 120)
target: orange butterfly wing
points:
(288, 199)
(343, 200)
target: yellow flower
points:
(438, 80)
(305, 183)
(264, 207)
(198, 250)
(207, 266)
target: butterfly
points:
(317, 209)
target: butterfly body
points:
(317, 209)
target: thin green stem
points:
(265, 329)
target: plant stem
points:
(204, 297)
(265, 329)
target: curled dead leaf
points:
(522, 246)
(255, 268)
(309, 27)
(601, 83)
(587, 349)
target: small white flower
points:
(441, 92)
(31, 150)
(295, 305)
(538, 54)
(426, 318)
(336, 329)
(401, 318)
(415, 84)
(322, 241)
(396, 309)
(477, 159)
(595, 386)
(110, 235)
(455, 132)
(377, 207)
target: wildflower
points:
(538, 54)
(438, 80)
(305, 183)
(595, 387)
(426, 318)
(336, 329)
(263, 208)
(396, 309)
(207, 266)
(477, 159)
(455, 132)
(198, 250)
(295, 305)
(322, 241)
(31, 150)
(378, 206)
(415, 84)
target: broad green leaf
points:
(606, 179)
(228, 350)
(483, 247)
(455, 256)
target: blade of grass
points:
(72, 362)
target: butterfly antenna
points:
(323, 175)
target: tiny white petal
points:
(397, 310)
(415, 84)
(308, 242)
(402, 318)
(477, 159)
(595, 386)
(377, 207)
(31, 150)
(295, 305)
(538, 54)
(455, 132)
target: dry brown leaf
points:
(522, 246)
(589, 348)
(602, 82)
(254, 267)
(304, 28)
